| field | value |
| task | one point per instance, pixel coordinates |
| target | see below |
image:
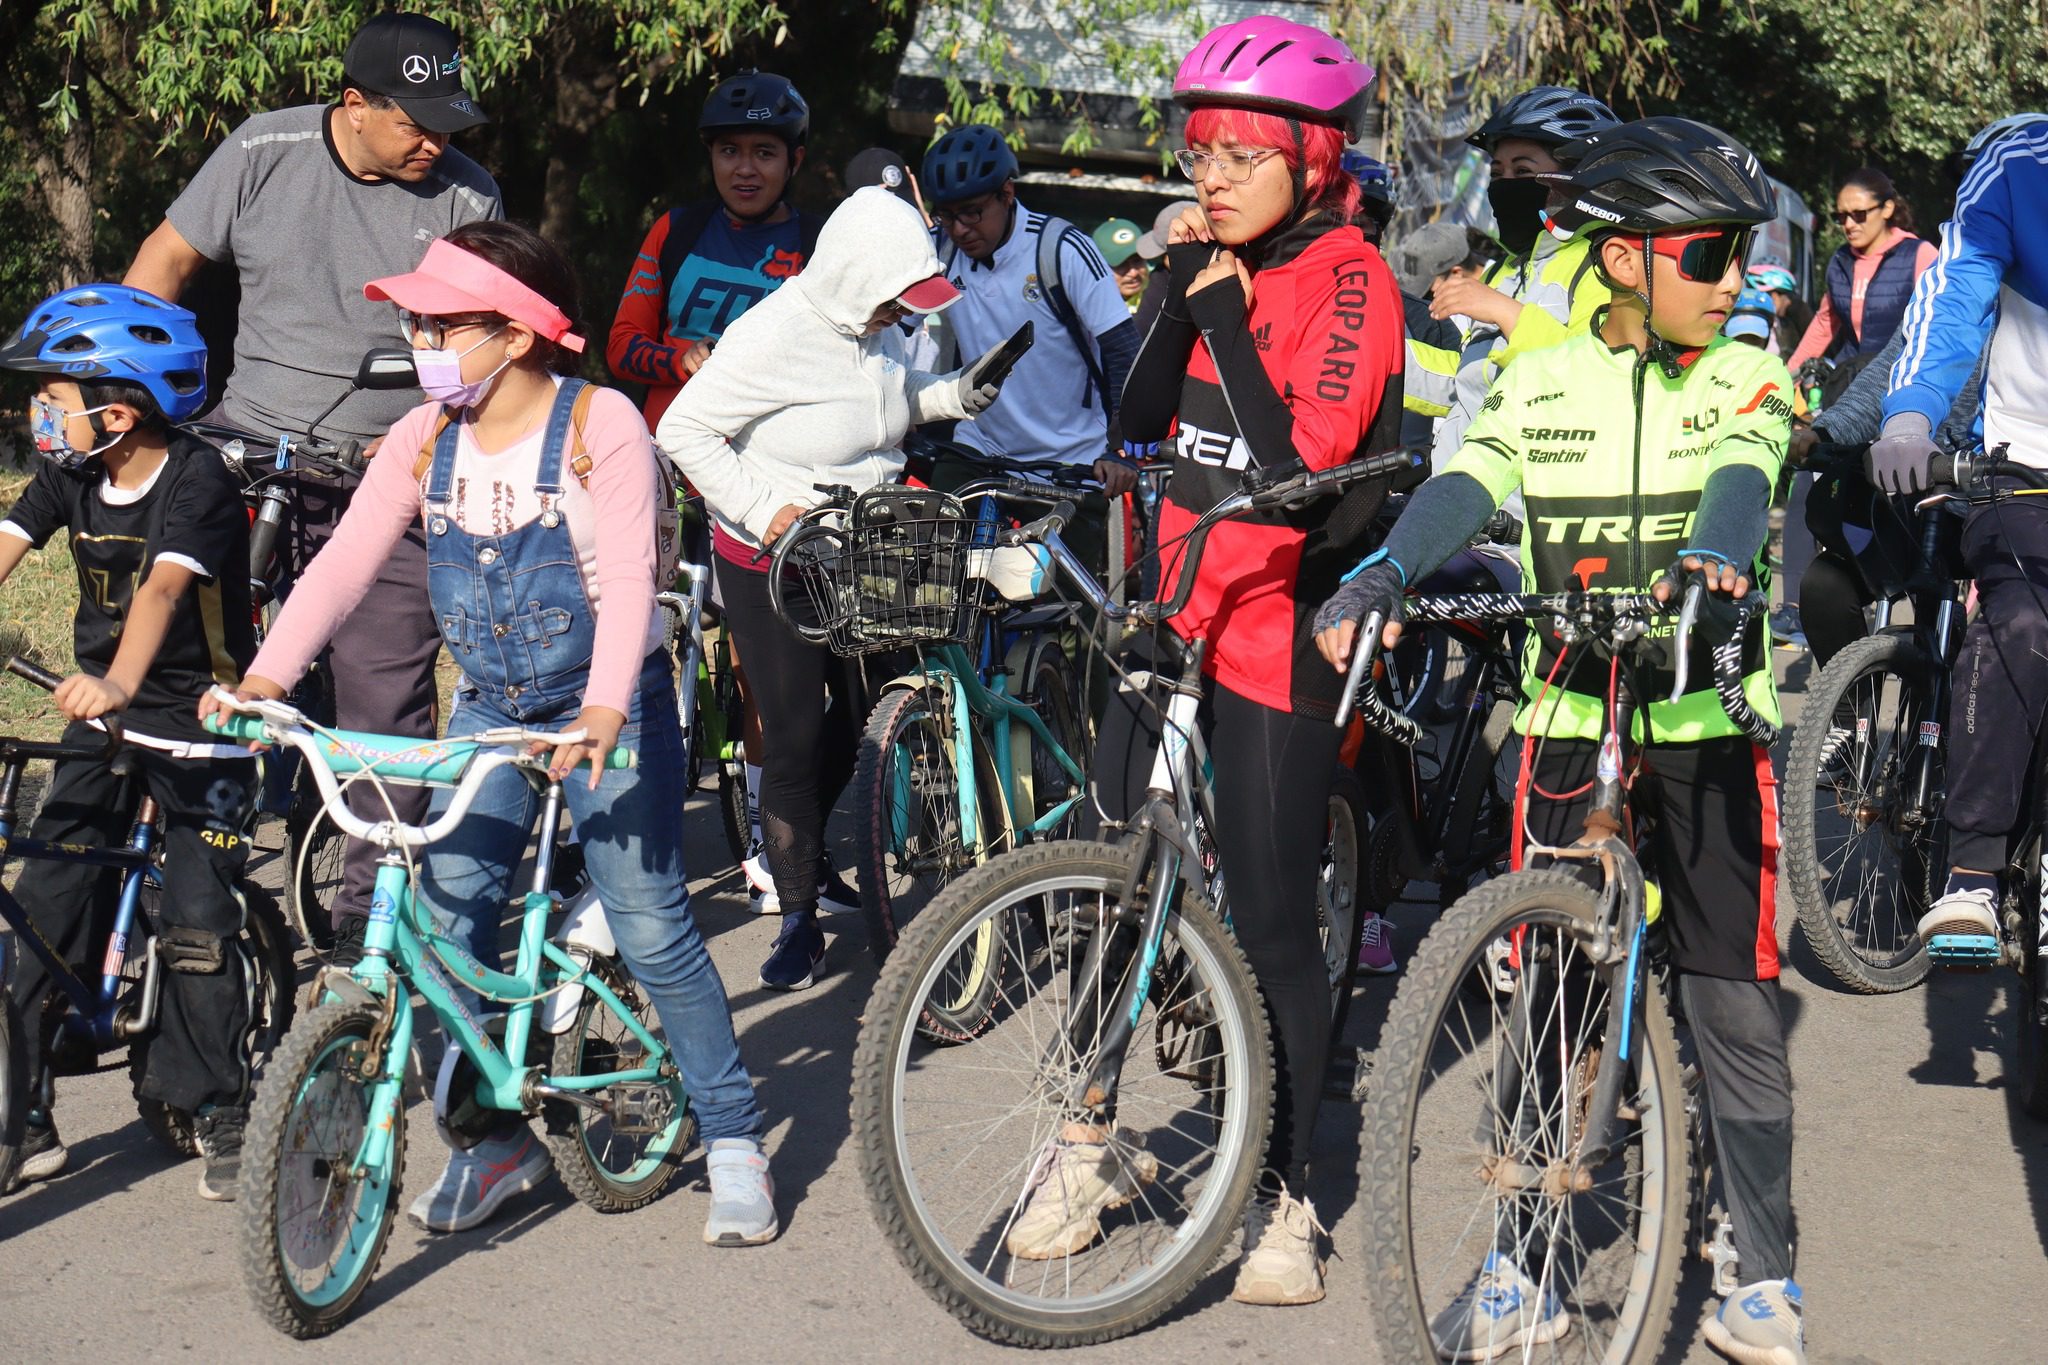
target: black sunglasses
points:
(1855, 215)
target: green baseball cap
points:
(1117, 240)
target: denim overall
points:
(514, 615)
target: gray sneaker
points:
(219, 1133)
(42, 1152)
(1502, 1310)
(742, 1195)
(1074, 1185)
(475, 1183)
(1759, 1324)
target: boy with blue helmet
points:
(157, 528)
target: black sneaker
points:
(792, 963)
(42, 1152)
(348, 940)
(219, 1131)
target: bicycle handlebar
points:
(332, 459)
(257, 721)
(16, 750)
(1622, 617)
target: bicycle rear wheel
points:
(1862, 861)
(1471, 1139)
(314, 1224)
(623, 1155)
(955, 1141)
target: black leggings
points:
(811, 746)
(1273, 774)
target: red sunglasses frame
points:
(1672, 245)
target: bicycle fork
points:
(1163, 851)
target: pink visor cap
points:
(451, 281)
(929, 295)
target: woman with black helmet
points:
(1644, 445)
(1533, 296)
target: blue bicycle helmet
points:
(111, 332)
(967, 162)
(1375, 177)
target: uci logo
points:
(1704, 422)
(416, 69)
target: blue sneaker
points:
(1502, 1310)
(1759, 1324)
(793, 962)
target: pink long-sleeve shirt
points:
(1820, 333)
(612, 523)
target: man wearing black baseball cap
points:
(415, 63)
(307, 204)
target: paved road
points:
(1923, 1203)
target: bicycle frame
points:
(399, 958)
(948, 668)
(95, 1011)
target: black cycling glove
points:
(1376, 588)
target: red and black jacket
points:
(1311, 372)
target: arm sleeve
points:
(638, 349)
(1442, 516)
(1857, 413)
(42, 510)
(206, 212)
(624, 488)
(1734, 515)
(1349, 344)
(1955, 304)
(696, 433)
(379, 511)
(1152, 393)
(1119, 348)
(1820, 336)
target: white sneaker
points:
(835, 895)
(476, 1182)
(1502, 1310)
(1076, 1183)
(1281, 1266)
(1961, 929)
(742, 1195)
(1759, 1324)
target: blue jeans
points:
(631, 832)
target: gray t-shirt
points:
(305, 234)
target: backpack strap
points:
(579, 457)
(1052, 235)
(425, 459)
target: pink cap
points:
(450, 281)
(929, 295)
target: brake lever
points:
(1365, 648)
(1687, 617)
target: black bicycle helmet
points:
(1550, 114)
(968, 162)
(1662, 175)
(757, 101)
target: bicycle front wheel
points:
(1471, 1151)
(1863, 858)
(959, 1143)
(314, 1222)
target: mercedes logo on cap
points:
(416, 69)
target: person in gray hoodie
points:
(805, 390)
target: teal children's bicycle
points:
(325, 1147)
(975, 744)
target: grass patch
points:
(36, 607)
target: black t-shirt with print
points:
(192, 511)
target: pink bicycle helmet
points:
(1281, 67)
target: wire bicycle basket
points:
(894, 575)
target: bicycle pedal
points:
(1965, 952)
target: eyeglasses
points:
(1856, 216)
(1706, 256)
(966, 215)
(432, 330)
(1237, 167)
